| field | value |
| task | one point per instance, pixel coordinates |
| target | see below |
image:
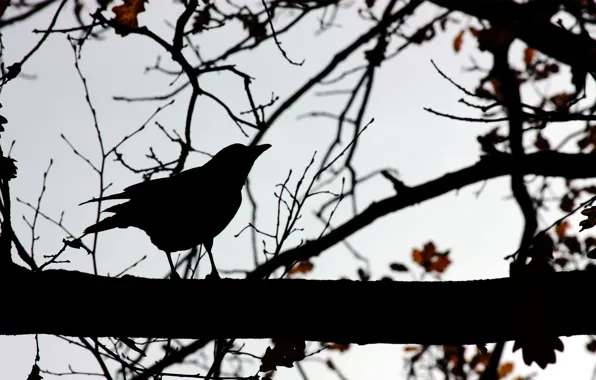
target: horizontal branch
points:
(77, 304)
(544, 163)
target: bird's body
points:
(188, 209)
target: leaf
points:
(412, 348)
(127, 13)
(473, 31)
(573, 244)
(370, 3)
(440, 264)
(302, 267)
(567, 203)
(338, 347)
(364, 276)
(457, 41)
(202, 19)
(398, 267)
(590, 222)
(505, 369)
(8, 169)
(529, 55)
(541, 143)
(284, 353)
(591, 346)
(561, 229)
(590, 242)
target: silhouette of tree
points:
(558, 44)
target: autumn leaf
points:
(561, 101)
(590, 222)
(338, 347)
(457, 41)
(567, 203)
(561, 229)
(440, 264)
(127, 13)
(529, 55)
(541, 143)
(573, 244)
(302, 267)
(412, 348)
(473, 31)
(590, 242)
(505, 369)
(283, 354)
(430, 259)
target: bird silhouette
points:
(187, 209)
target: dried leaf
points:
(505, 369)
(338, 347)
(302, 267)
(529, 55)
(573, 244)
(457, 41)
(561, 229)
(127, 13)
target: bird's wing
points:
(157, 187)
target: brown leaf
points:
(127, 13)
(412, 348)
(338, 347)
(573, 244)
(529, 55)
(561, 229)
(302, 267)
(457, 41)
(505, 369)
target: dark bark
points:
(76, 304)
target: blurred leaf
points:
(398, 267)
(505, 369)
(457, 41)
(302, 267)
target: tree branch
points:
(386, 311)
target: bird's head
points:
(236, 160)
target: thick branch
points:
(550, 39)
(384, 311)
(546, 163)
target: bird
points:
(188, 209)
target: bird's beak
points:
(259, 149)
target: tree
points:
(545, 47)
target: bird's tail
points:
(103, 225)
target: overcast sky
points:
(479, 231)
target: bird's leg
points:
(214, 274)
(174, 275)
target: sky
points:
(46, 106)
